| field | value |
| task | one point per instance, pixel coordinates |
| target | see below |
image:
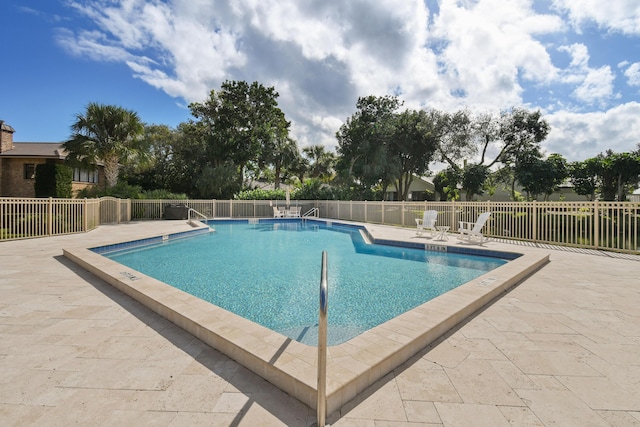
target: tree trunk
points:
(276, 183)
(621, 195)
(399, 190)
(407, 185)
(111, 171)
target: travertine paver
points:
(562, 348)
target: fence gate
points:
(110, 212)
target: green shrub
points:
(121, 190)
(126, 191)
(162, 194)
(260, 194)
(53, 180)
(314, 189)
(64, 181)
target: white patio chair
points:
(277, 213)
(472, 231)
(427, 222)
(294, 212)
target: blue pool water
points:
(270, 273)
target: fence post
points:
(534, 217)
(596, 224)
(454, 224)
(50, 217)
(85, 222)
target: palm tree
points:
(108, 134)
(321, 162)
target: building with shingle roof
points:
(18, 161)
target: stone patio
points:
(562, 348)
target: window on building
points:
(29, 171)
(418, 196)
(84, 175)
(390, 196)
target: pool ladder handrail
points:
(198, 214)
(321, 404)
(312, 212)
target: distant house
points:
(564, 193)
(420, 189)
(18, 162)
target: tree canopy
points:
(538, 176)
(584, 177)
(380, 146)
(239, 127)
(238, 136)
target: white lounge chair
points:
(472, 231)
(427, 222)
(277, 213)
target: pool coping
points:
(292, 366)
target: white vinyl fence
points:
(23, 218)
(598, 225)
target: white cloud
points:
(633, 74)
(594, 85)
(115, 20)
(93, 45)
(615, 15)
(579, 55)
(287, 21)
(491, 46)
(193, 51)
(581, 136)
(321, 56)
(597, 86)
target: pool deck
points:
(561, 348)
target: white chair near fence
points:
(293, 212)
(472, 231)
(427, 222)
(277, 213)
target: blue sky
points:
(577, 61)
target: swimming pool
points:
(290, 365)
(268, 272)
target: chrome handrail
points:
(322, 345)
